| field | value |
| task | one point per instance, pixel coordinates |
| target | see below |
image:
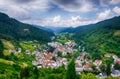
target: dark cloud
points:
(76, 5)
(67, 2)
(23, 1)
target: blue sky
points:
(60, 13)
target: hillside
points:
(100, 38)
(12, 29)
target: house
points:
(102, 75)
(12, 50)
(97, 62)
(115, 57)
(64, 61)
(117, 60)
(19, 50)
(39, 66)
(27, 51)
(78, 69)
(34, 63)
(78, 62)
(87, 67)
(107, 55)
(115, 73)
(78, 66)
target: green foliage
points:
(117, 66)
(100, 38)
(54, 58)
(25, 73)
(61, 41)
(108, 69)
(71, 73)
(103, 68)
(47, 73)
(88, 76)
(1, 49)
(60, 54)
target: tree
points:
(108, 69)
(25, 73)
(1, 49)
(103, 68)
(71, 73)
(36, 72)
(60, 54)
(117, 66)
(54, 58)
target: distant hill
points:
(56, 29)
(44, 28)
(100, 38)
(13, 29)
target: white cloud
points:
(76, 18)
(116, 10)
(57, 19)
(104, 15)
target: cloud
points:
(114, 2)
(108, 3)
(23, 1)
(57, 19)
(104, 15)
(116, 10)
(15, 12)
(104, 3)
(22, 9)
(75, 5)
(64, 12)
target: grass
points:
(23, 65)
(62, 41)
(27, 46)
(6, 61)
(6, 52)
(117, 33)
(7, 44)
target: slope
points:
(100, 38)
(11, 29)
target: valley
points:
(84, 52)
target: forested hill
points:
(11, 29)
(102, 37)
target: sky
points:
(60, 13)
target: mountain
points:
(100, 38)
(13, 29)
(43, 28)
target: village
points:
(57, 58)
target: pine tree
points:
(108, 70)
(71, 73)
(25, 72)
